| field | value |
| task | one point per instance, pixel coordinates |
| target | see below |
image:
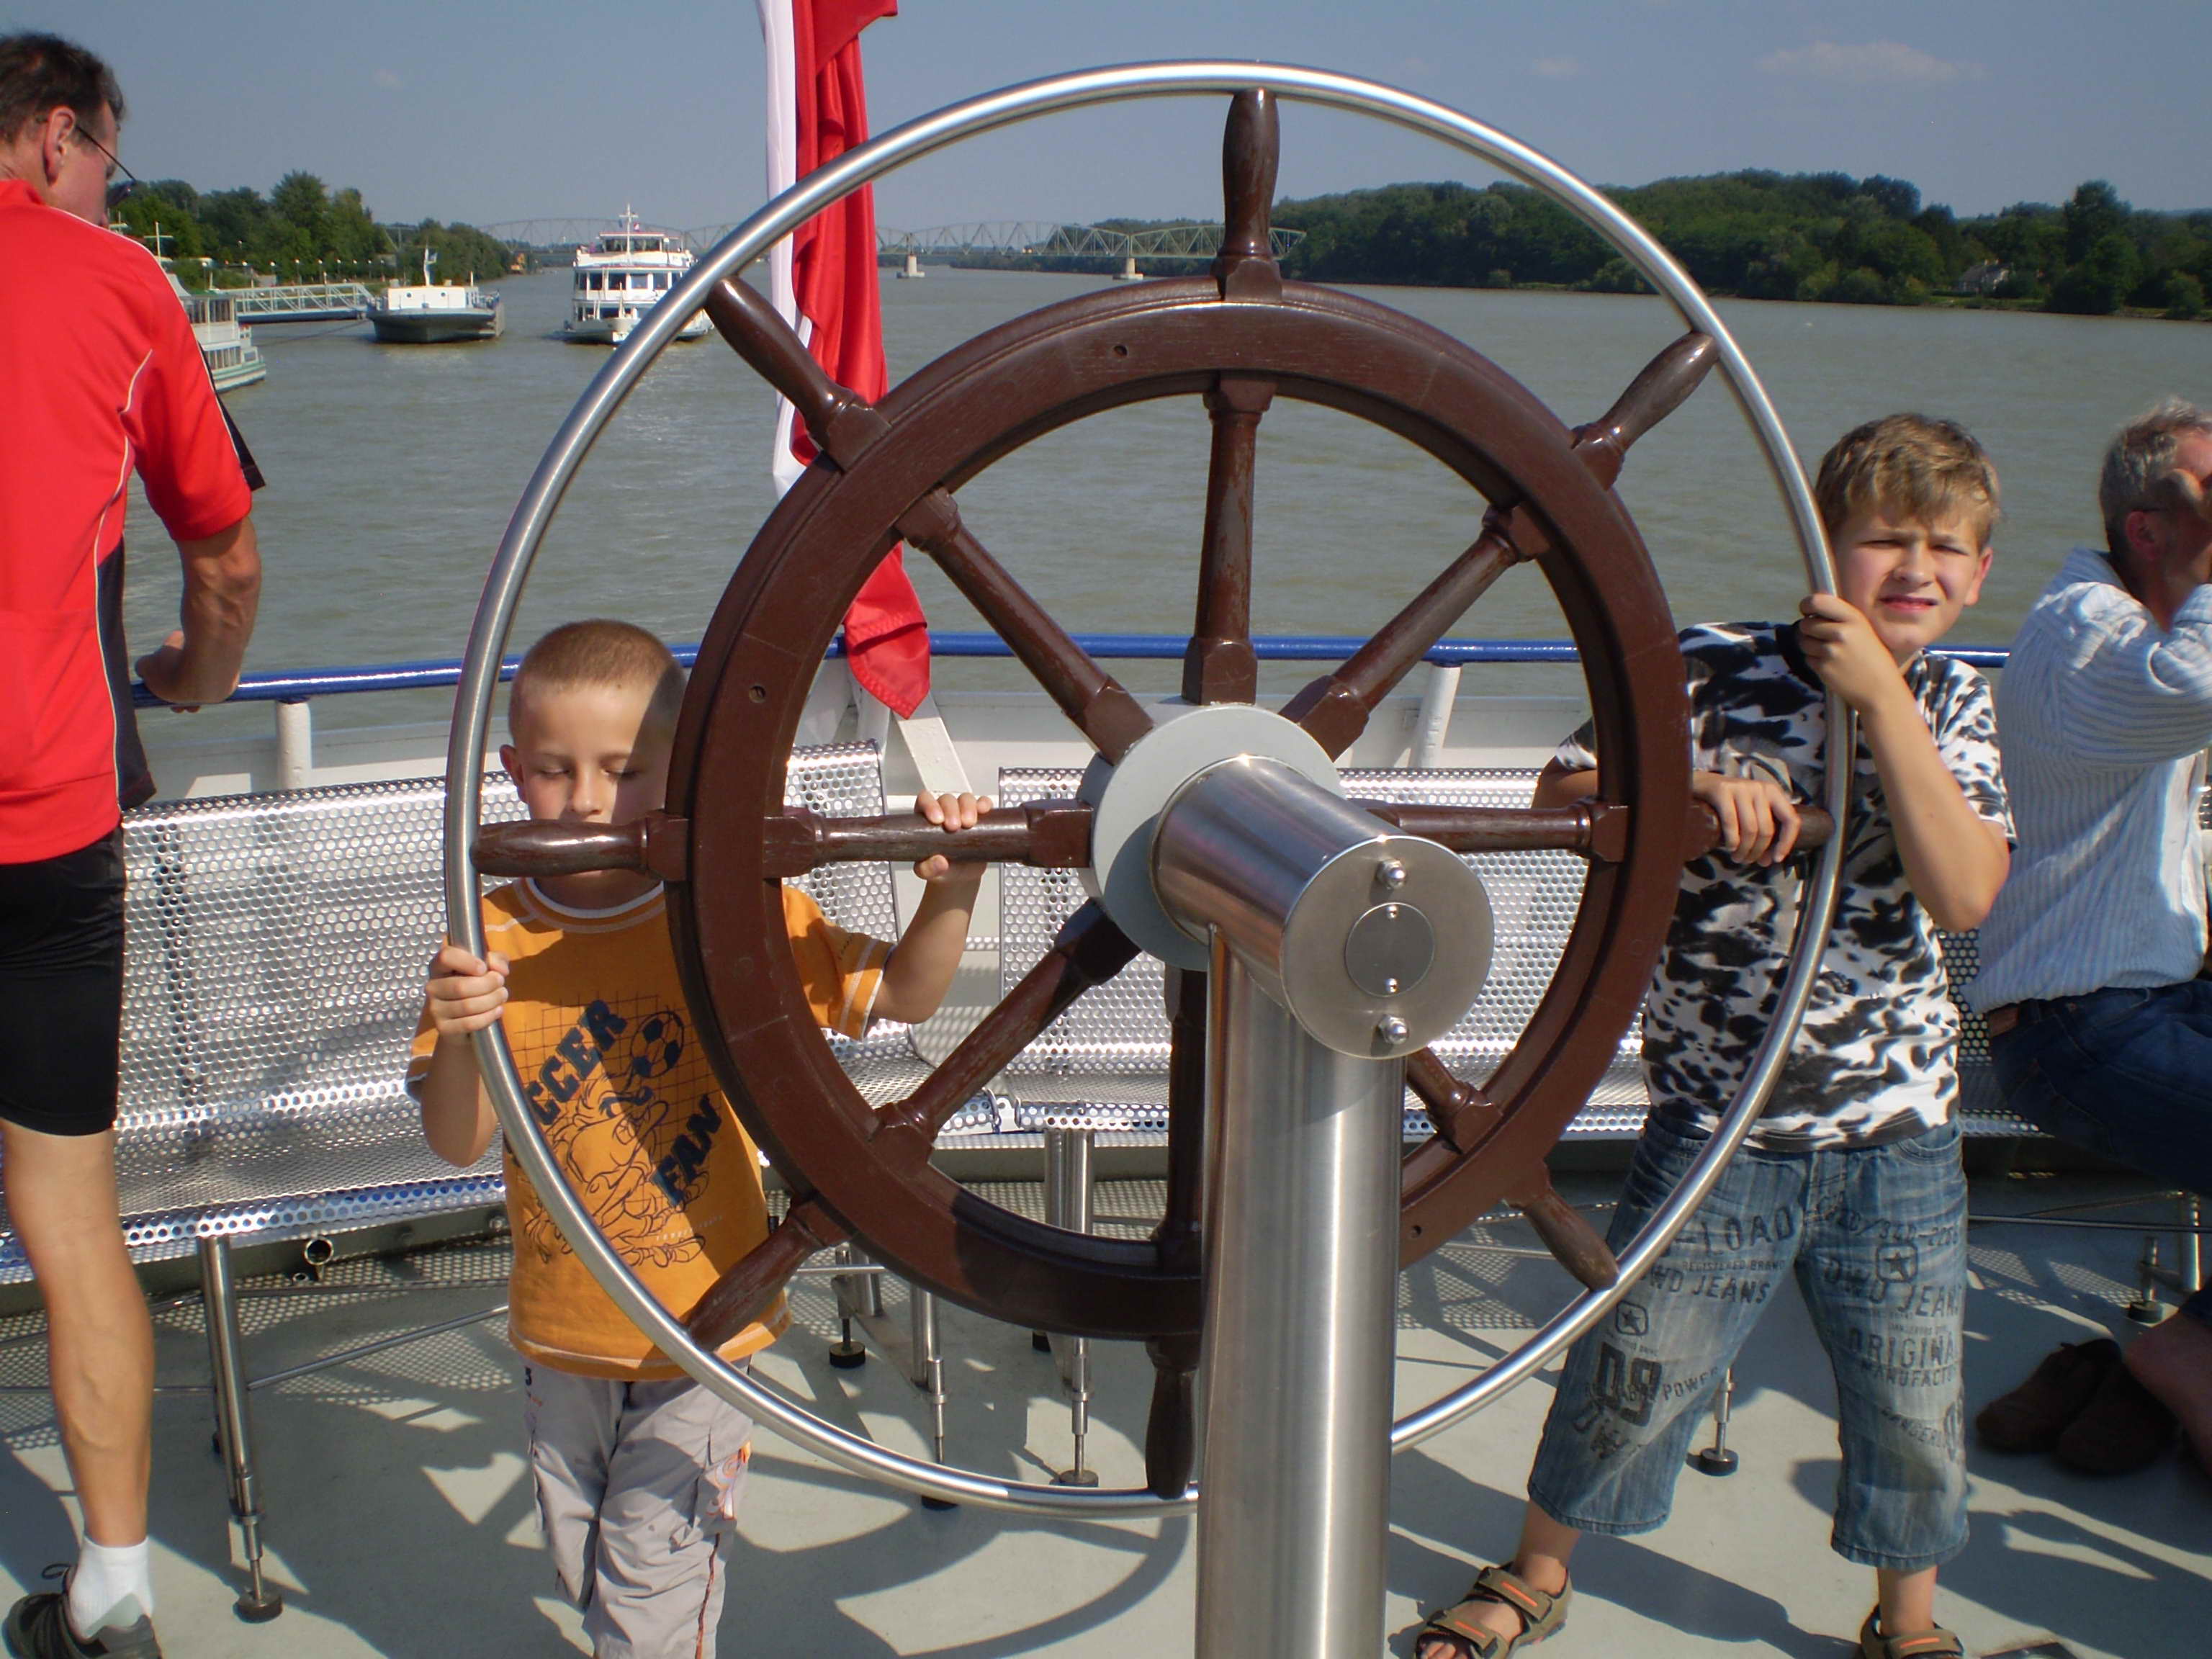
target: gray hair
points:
(2137, 464)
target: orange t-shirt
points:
(596, 1020)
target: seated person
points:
(2100, 1023)
(638, 1469)
(1861, 1122)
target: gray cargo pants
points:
(638, 1485)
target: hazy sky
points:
(458, 109)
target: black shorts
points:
(61, 988)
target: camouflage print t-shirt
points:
(1876, 1058)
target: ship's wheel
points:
(1237, 340)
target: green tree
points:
(2101, 282)
(355, 235)
(166, 226)
(2095, 212)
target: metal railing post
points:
(1432, 725)
(295, 743)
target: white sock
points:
(112, 1584)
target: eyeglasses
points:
(117, 189)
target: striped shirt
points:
(2103, 720)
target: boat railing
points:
(293, 690)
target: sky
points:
(493, 112)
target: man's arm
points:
(200, 662)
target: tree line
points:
(302, 231)
(1769, 235)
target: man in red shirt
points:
(99, 375)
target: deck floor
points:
(400, 1522)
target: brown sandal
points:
(1935, 1642)
(1542, 1615)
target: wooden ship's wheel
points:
(1237, 339)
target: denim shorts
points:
(1876, 1238)
(2125, 1073)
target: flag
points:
(823, 279)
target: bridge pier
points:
(912, 268)
(1129, 273)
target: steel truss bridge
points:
(1031, 239)
(1044, 240)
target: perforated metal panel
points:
(275, 951)
(1104, 1062)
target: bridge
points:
(1026, 238)
(301, 302)
(1045, 239)
(556, 233)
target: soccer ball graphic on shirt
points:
(650, 1049)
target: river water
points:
(392, 470)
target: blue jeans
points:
(1875, 1238)
(2126, 1073)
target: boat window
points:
(592, 280)
(660, 279)
(610, 312)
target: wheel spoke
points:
(1048, 834)
(1591, 829)
(1220, 665)
(1336, 708)
(1573, 1243)
(1245, 269)
(748, 1288)
(839, 421)
(1090, 951)
(653, 845)
(1101, 707)
(1463, 1114)
(1171, 1429)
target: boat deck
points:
(400, 1519)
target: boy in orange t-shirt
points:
(638, 1469)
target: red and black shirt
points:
(99, 375)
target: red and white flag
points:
(822, 280)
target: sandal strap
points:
(1541, 1612)
(1934, 1643)
(1480, 1643)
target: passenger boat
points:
(621, 277)
(225, 344)
(435, 314)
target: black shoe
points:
(38, 1628)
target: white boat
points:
(621, 277)
(434, 313)
(225, 344)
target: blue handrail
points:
(297, 684)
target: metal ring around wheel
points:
(748, 241)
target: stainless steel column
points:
(1301, 1300)
(1336, 948)
(233, 1428)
